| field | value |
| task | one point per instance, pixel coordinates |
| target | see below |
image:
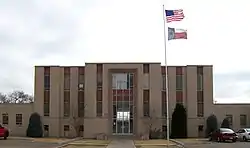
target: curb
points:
(71, 140)
(179, 144)
(21, 138)
(66, 143)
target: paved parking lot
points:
(221, 145)
(14, 143)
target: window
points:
(200, 128)
(145, 68)
(179, 82)
(81, 106)
(243, 120)
(131, 80)
(66, 128)
(5, 119)
(99, 76)
(46, 78)
(19, 119)
(66, 78)
(164, 105)
(179, 97)
(99, 103)
(200, 96)
(66, 103)
(200, 104)
(46, 128)
(81, 128)
(146, 103)
(46, 103)
(163, 82)
(199, 78)
(81, 78)
(230, 119)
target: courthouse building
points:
(120, 99)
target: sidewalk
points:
(121, 144)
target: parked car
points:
(223, 134)
(244, 134)
(4, 132)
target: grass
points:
(172, 146)
(73, 146)
(160, 142)
(52, 140)
(193, 140)
(85, 142)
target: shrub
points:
(179, 122)
(212, 124)
(35, 128)
(225, 123)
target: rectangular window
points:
(46, 128)
(179, 97)
(179, 82)
(179, 70)
(243, 120)
(146, 103)
(46, 78)
(5, 119)
(81, 78)
(46, 103)
(145, 68)
(199, 78)
(164, 105)
(163, 82)
(81, 128)
(81, 106)
(19, 119)
(66, 128)
(66, 103)
(99, 76)
(200, 104)
(131, 80)
(99, 103)
(67, 78)
(200, 109)
(230, 119)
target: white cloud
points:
(71, 32)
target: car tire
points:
(234, 140)
(218, 139)
(244, 138)
(210, 139)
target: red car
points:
(4, 132)
(223, 134)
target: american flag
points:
(174, 15)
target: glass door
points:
(122, 107)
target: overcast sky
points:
(72, 32)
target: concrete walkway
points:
(121, 144)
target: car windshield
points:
(226, 130)
(248, 129)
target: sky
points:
(72, 32)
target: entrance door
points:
(122, 106)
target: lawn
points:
(73, 146)
(50, 140)
(152, 142)
(90, 143)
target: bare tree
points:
(3, 98)
(19, 97)
(151, 132)
(76, 122)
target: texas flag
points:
(176, 33)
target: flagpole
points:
(166, 71)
